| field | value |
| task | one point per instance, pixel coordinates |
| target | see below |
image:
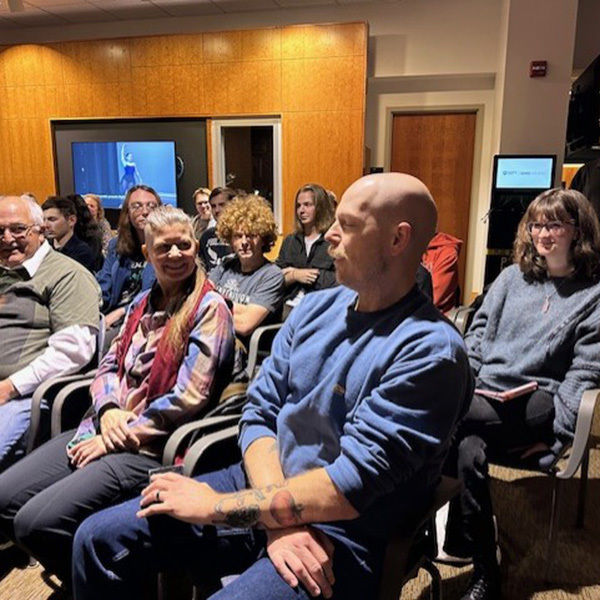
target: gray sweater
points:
(512, 340)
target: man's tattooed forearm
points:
(285, 510)
(242, 509)
(239, 517)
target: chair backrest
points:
(407, 552)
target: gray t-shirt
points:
(264, 287)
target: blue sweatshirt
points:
(371, 397)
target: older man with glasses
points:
(49, 315)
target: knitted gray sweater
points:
(513, 341)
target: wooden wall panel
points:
(312, 76)
(318, 151)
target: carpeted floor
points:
(522, 505)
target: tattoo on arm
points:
(285, 510)
(242, 509)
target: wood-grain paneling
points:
(313, 76)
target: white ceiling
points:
(43, 13)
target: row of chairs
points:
(210, 443)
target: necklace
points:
(557, 288)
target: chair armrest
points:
(214, 441)
(180, 437)
(460, 315)
(68, 394)
(583, 426)
(258, 333)
(47, 391)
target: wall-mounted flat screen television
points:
(109, 169)
(524, 172)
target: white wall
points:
(534, 109)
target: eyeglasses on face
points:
(554, 227)
(16, 230)
(139, 206)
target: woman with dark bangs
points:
(538, 327)
(303, 256)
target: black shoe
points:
(483, 587)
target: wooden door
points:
(438, 149)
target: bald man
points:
(49, 316)
(343, 436)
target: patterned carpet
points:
(522, 505)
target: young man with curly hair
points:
(253, 285)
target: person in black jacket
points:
(303, 257)
(60, 220)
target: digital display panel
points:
(109, 169)
(527, 173)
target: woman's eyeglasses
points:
(138, 206)
(553, 227)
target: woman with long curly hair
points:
(538, 329)
(170, 362)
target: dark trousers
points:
(116, 554)
(494, 430)
(43, 499)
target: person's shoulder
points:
(320, 300)
(60, 269)
(208, 233)
(112, 244)
(215, 305)
(509, 277)
(271, 270)
(61, 264)
(427, 330)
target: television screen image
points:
(109, 169)
(526, 173)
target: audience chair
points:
(260, 347)
(461, 317)
(565, 465)
(45, 395)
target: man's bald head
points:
(383, 225)
(397, 197)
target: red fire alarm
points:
(538, 68)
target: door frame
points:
(218, 155)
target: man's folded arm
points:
(69, 350)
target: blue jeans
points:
(15, 417)
(115, 554)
